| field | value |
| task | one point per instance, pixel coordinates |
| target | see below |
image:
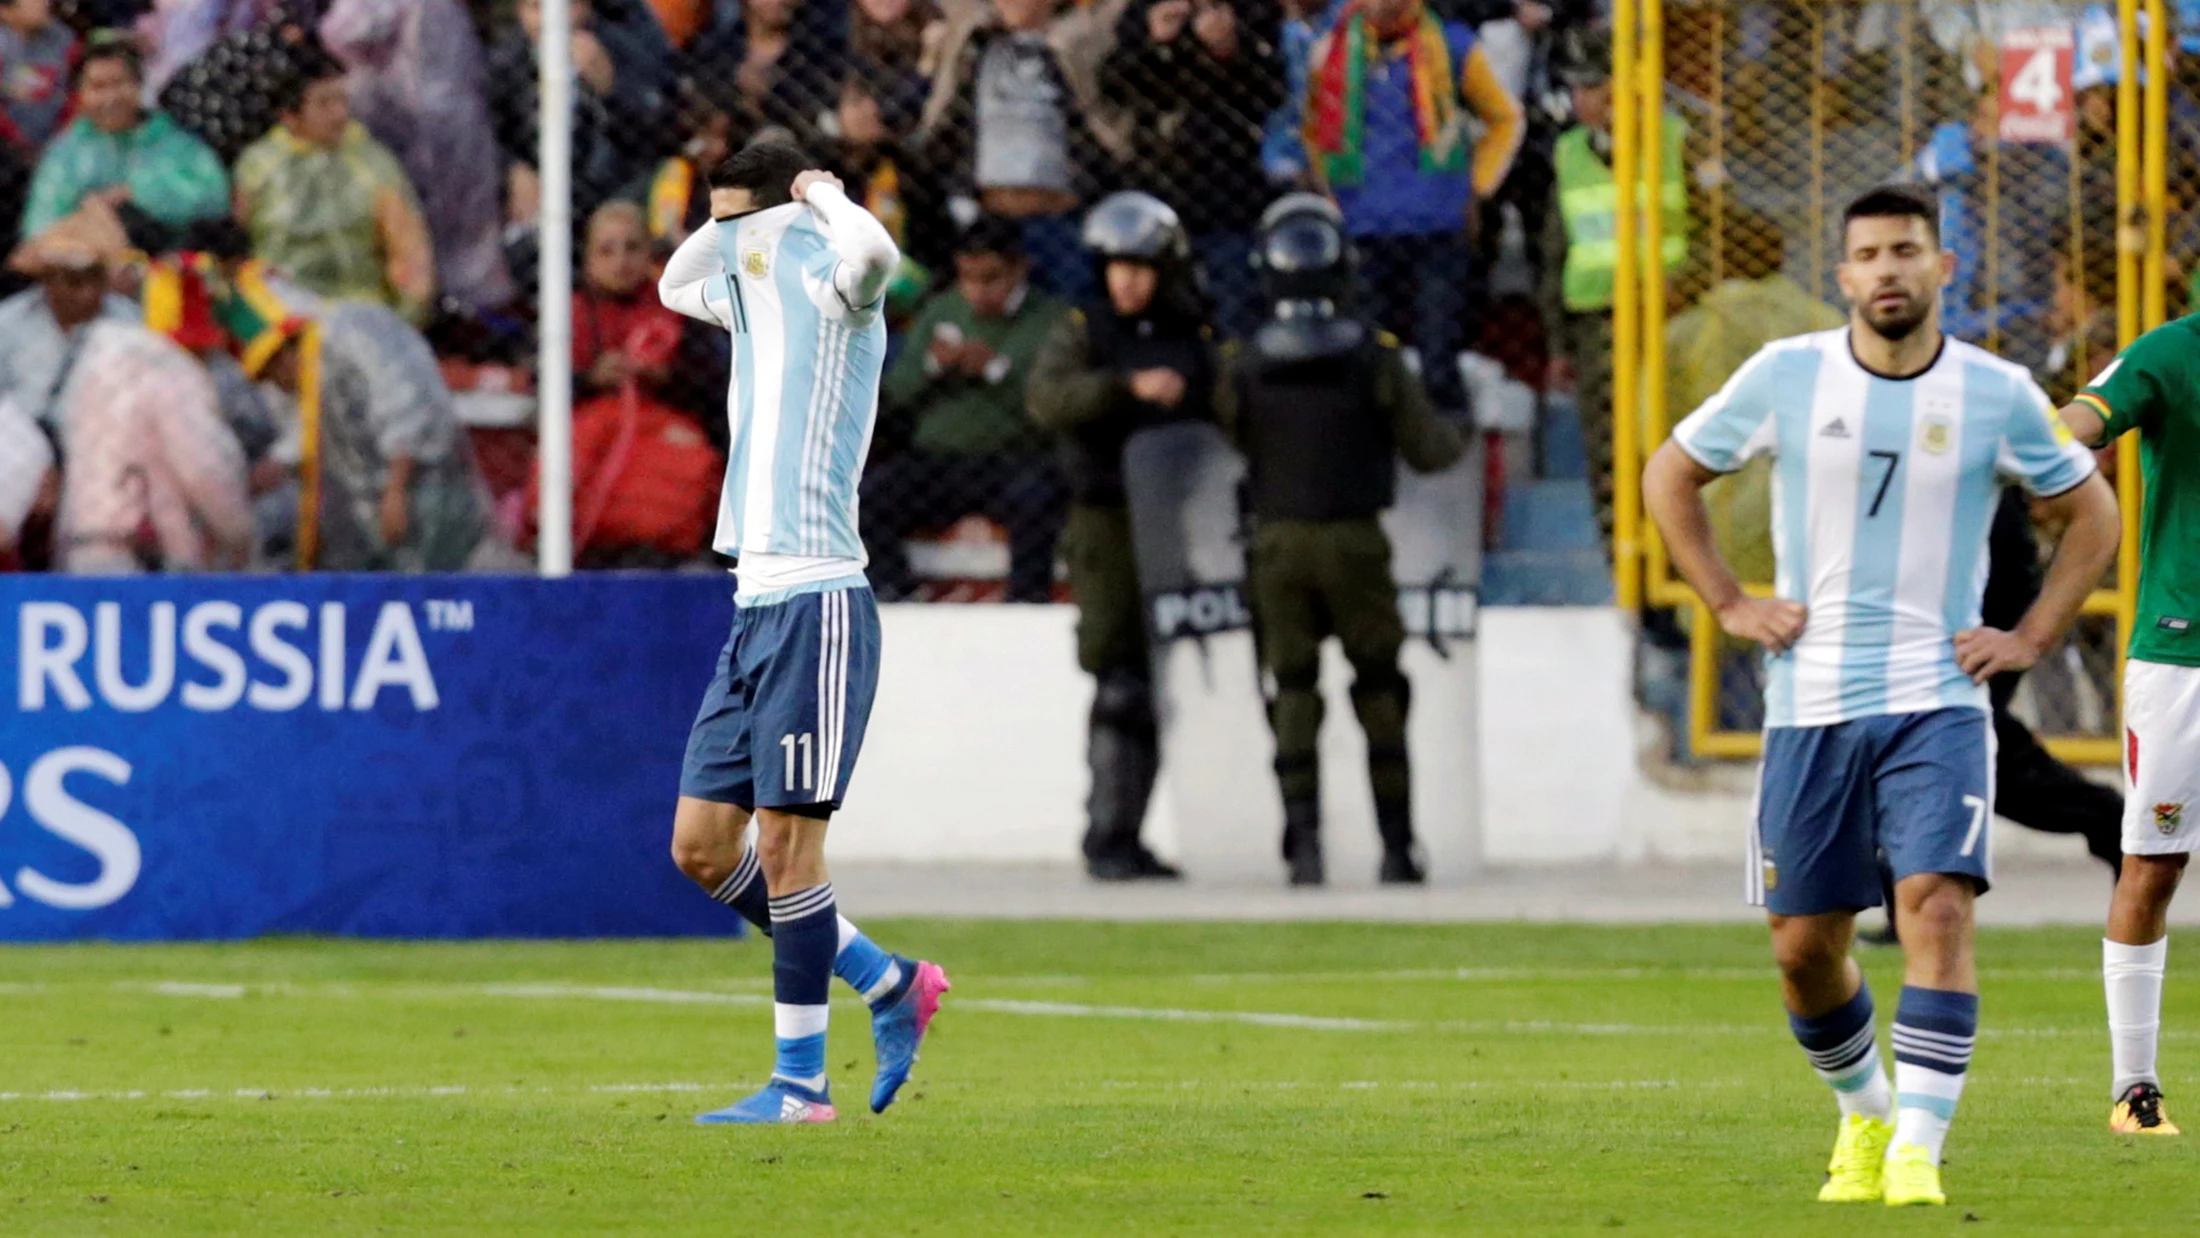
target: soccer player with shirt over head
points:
(2154, 388)
(1890, 442)
(797, 273)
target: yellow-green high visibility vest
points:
(1589, 204)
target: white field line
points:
(1080, 1010)
(673, 997)
(1433, 975)
(415, 1092)
(178, 988)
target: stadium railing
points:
(2045, 137)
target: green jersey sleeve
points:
(2134, 390)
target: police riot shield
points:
(1435, 533)
(1215, 808)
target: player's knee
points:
(2151, 879)
(1801, 953)
(703, 863)
(1941, 913)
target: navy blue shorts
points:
(1830, 799)
(783, 720)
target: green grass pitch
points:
(1083, 1079)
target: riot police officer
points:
(1138, 356)
(1323, 406)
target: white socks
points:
(2132, 976)
(1928, 1105)
(1873, 1098)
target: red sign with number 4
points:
(2035, 84)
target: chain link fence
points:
(317, 224)
(232, 171)
(2009, 112)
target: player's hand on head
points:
(814, 176)
(1986, 652)
(1775, 623)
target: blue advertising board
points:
(386, 756)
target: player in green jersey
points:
(2154, 388)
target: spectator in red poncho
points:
(617, 295)
(644, 474)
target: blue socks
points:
(805, 937)
(870, 971)
(866, 968)
(744, 892)
(1934, 1030)
(1842, 1048)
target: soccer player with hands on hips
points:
(2154, 388)
(1890, 443)
(797, 274)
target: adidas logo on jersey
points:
(1836, 428)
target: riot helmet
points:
(1136, 227)
(1302, 252)
(1142, 230)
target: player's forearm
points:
(2088, 546)
(1672, 492)
(868, 255)
(2086, 423)
(694, 264)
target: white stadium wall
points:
(976, 753)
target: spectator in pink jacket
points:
(153, 478)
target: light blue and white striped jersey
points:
(1883, 491)
(804, 396)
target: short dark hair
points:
(1894, 201)
(119, 46)
(766, 169)
(991, 234)
(309, 66)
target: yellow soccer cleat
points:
(2139, 1112)
(1912, 1178)
(1858, 1155)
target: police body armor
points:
(1093, 455)
(1317, 448)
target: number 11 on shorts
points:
(809, 768)
(1977, 805)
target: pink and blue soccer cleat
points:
(898, 1030)
(780, 1101)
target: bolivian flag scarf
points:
(1336, 111)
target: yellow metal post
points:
(2155, 169)
(1651, 414)
(2127, 170)
(1626, 357)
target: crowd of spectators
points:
(195, 159)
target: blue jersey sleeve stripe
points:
(2033, 453)
(1718, 434)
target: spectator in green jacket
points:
(157, 176)
(956, 392)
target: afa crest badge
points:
(754, 263)
(1936, 435)
(2168, 817)
(1772, 876)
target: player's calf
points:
(2134, 959)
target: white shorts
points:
(2161, 758)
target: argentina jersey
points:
(804, 397)
(1882, 494)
